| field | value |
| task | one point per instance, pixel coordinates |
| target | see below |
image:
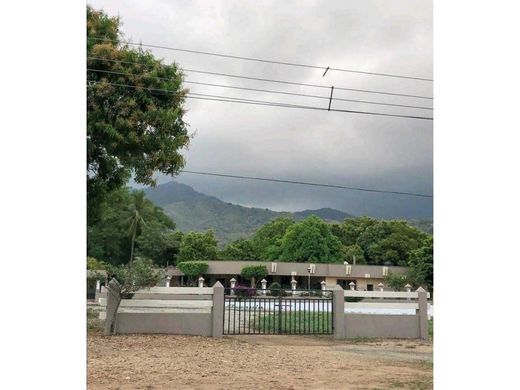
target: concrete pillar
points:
(293, 286)
(113, 299)
(98, 285)
(422, 312)
(218, 310)
(381, 287)
(201, 282)
(338, 310)
(168, 279)
(264, 286)
(323, 285)
(352, 286)
(232, 283)
(408, 288)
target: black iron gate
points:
(252, 311)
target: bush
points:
(276, 290)
(244, 291)
(192, 269)
(254, 272)
(139, 274)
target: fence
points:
(277, 311)
(406, 314)
(171, 310)
(209, 311)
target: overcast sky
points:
(327, 147)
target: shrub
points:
(254, 272)
(139, 274)
(193, 269)
(276, 290)
(244, 291)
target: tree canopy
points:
(132, 128)
(198, 246)
(109, 240)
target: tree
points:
(354, 251)
(108, 238)
(193, 269)
(136, 220)
(159, 244)
(254, 272)
(132, 277)
(311, 240)
(396, 281)
(198, 246)
(132, 129)
(421, 265)
(267, 240)
(240, 249)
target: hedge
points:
(193, 269)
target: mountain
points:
(192, 210)
(195, 211)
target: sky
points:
(388, 36)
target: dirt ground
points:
(256, 362)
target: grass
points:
(296, 322)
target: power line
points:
(272, 80)
(262, 90)
(231, 99)
(264, 60)
(308, 183)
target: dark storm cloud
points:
(328, 147)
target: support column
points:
(218, 310)
(338, 310)
(113, 299)
(422, 312)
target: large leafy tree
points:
(311, 240)
(198, 246)
(108, 238)
(267, 240)
(240, 249)
(132, 128)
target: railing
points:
(277, 311)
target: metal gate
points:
(252, 311)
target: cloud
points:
(381, 152)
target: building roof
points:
(287, 269)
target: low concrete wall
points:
(381, 325)
(171, 310)
(169, 323)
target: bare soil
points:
(256, 362)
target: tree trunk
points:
(132, 248)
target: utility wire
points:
(231, 99)
(259, 90)
(271, 80)
(307, 183)
(263, 60)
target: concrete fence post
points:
(408, 288)
(168, 279)
(201, 282)
(352, 286)
(293, 286)
(232, 283)
(264, 286)
(113, 299)
(323, 285)
(381, 287)
(218, 310)
(338, 312)
(98, 286)
(422, 312)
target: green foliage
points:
(198, 246)
(159, 244)
(108, 238)
(254, 272)
(240, 249)
(396, 281)
(267, 240)
(311, 240)
(276, 290)
(193, 269)
(351, 251)
(421, 265)
(129, 130)
(95, 264)
(141, 273)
